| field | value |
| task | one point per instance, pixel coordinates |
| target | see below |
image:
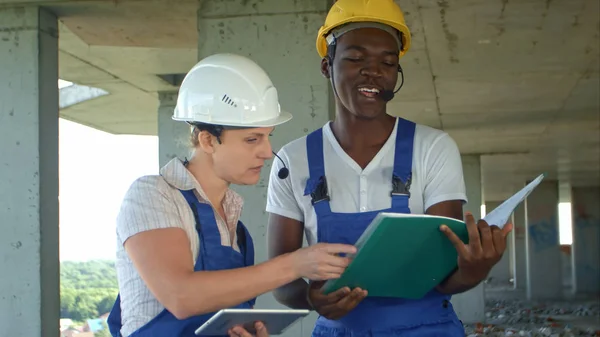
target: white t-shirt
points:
(436, 176)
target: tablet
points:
(276, 320)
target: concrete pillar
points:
(511, 251)
(520, 224)
(280, 36)
(586, 239)
(173, 136)
(29, 263)
(501, 273)
(544, 274)
(470, 305)
(565, 235)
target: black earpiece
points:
(283, 172)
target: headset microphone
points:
(386, 95)
(283, 172)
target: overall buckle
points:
(320, 193)
(399, 187)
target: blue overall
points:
(430, 316)
(211, 256)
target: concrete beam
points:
(520, 226)
(29, 285)
(470, 305)
(586, 240)
(544, 276)
(501, 273)
(173, 136)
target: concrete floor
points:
(509, 314)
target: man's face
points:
(241, 155)
(365, 63)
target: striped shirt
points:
(154, 202)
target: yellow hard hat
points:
(386, 12)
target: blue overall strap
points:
(316, 185)
(192, 201)
(403, 159)
(244, 240)
(114, 318)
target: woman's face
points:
(241, 155)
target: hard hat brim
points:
(283, 117)
(322, 43)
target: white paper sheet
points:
(499, 216)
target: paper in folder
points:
(406, 255)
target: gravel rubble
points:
(538, 319)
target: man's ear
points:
(325, 67)
(206, 141)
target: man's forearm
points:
(293, 295)
(455, 285)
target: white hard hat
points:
(229, 90)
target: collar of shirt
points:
(178, 176)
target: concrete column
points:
(280, 36)
(29, 263)
(173, 136)
(565, 236)
(501, 273)
(470, 306)
(586, 239)
(520, 225)
(544, 274)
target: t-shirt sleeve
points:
(147, 205)
(280, 193)
(444, 174)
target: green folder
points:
(402, 255)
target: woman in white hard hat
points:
(182, 252)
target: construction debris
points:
(539, 319)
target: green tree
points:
(88, 289)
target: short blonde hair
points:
(194, 136)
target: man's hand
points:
(485, 249)
(337, 304)
(238, 331)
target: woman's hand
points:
(321, 261)
(238, 331)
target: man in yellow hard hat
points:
(341, 175)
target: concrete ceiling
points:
(515, 81)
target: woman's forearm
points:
(208, 291)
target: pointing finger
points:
(337, 261)
(336, 248)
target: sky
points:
(96, 169)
